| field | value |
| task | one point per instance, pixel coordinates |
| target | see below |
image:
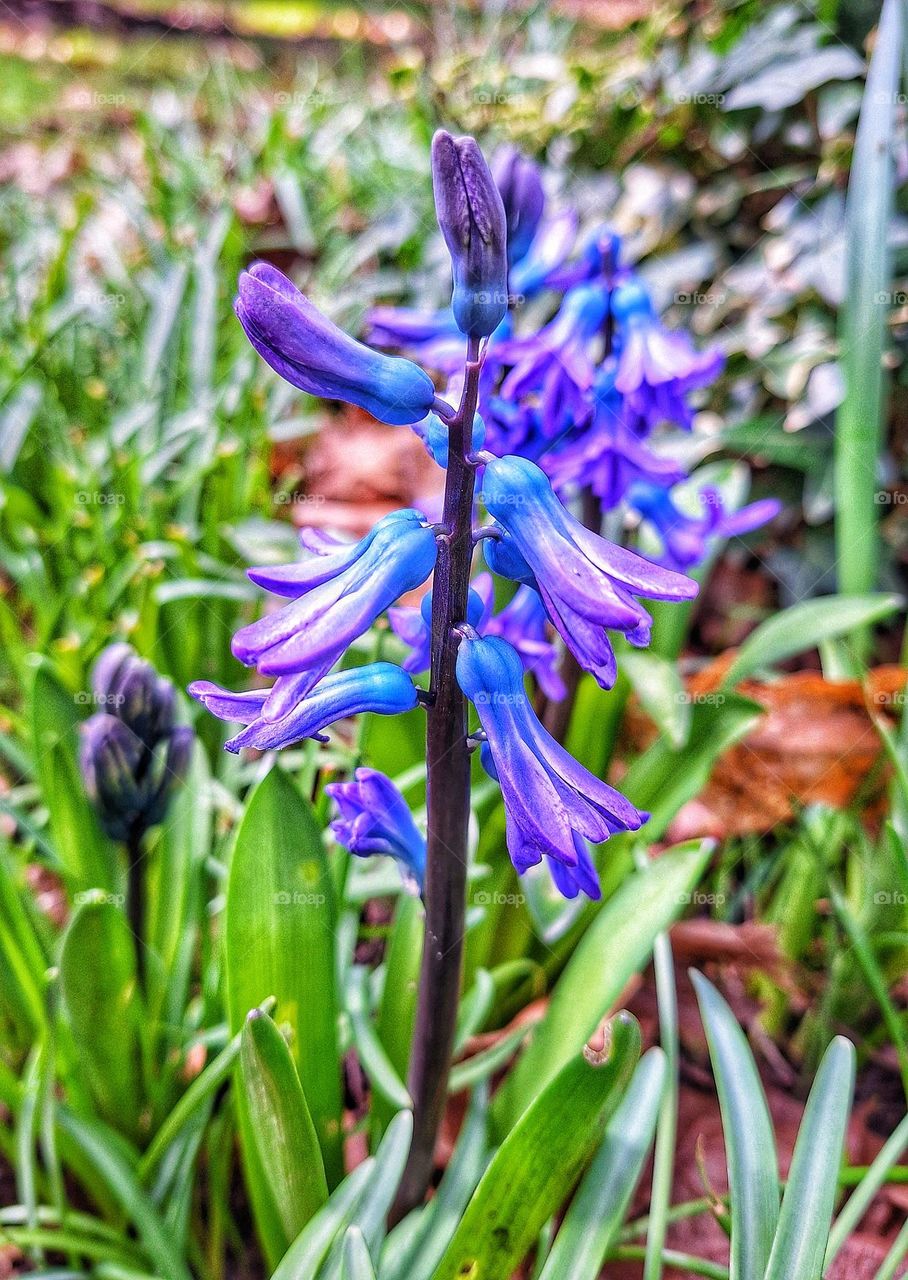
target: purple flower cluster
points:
(590, 394)
(574, 403)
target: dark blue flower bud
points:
(313, 354)
(132, 754)
(520, 183)
(472, 220)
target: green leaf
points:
(803, 626)
(863, 1195)
(437, 1222)
(616, 945)
(357, 1263)
(597, 1210)
(378, 1192)
(750, 1148)
(98, 982)
(175, 886)
(282, 1127)
(540, 1160)
(87, 856)
(106, 1156)
(863, 317)
(308, 1251)
(397, 1010)
(662, 695)
(379, 1068)
(801, 1236)
(279, 938)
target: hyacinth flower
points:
(558, 364)
(685, 538)
(374, 818)
(539, 387)
(608, 456)
(586, 583)
(310, 352)
(379, 687)
(548, 797)
(312, 632)
(656, 367)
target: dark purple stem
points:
(448, 809)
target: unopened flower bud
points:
(472, 220)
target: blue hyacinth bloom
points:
(434, 434)
(523, 623)
(314, 630)
(686, 538)
(378, 687)
(374, 818)
(311, 353)
(414, 626)
(609, 455)
(586, 583)
(656, 368)
(549, 798)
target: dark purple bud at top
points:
(520, 183)
(303, 346)
(472, 220)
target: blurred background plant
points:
(146, 456)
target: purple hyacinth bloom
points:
(586, 583)
(522, 622)
(656, 368)
(558, 364)
(685, 538)
(314, 630)
(311, 353)
(471, 218)
(548, 797)
(374, 818)
(608, 456)
(414, 626)
(378, 687)
(520, 183)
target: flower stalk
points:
(448, 807)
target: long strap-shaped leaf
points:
(600, 1204)
(537, 1164)
(863, 316)
(800, 1244)
(282, 1126)
(750, 1148)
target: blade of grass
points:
(859, 1201)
